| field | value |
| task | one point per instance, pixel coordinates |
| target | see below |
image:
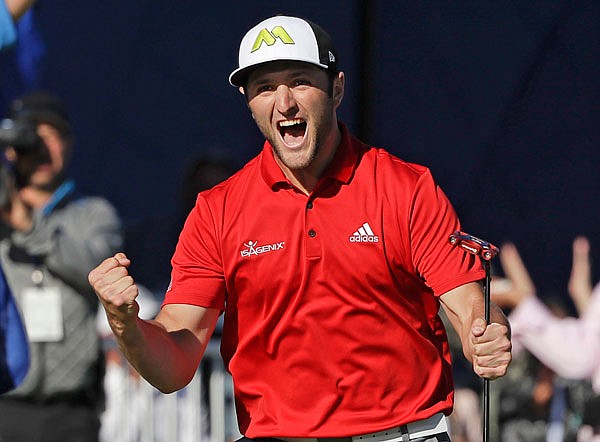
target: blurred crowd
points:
(551, 392)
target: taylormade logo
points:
(271, 37)
(364, 234)
(252, 249)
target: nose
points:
(285, 101)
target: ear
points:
(338, 89)
(241, 89)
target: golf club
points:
(486, 251)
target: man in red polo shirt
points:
(329, 259)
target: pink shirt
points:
(569, 346)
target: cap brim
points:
(238, 77)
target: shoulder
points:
(92, 207)
(388, 166)
(90, 201)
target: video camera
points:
(21, 135)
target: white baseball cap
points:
(284, 38)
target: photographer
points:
(52, 237)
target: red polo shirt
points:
(330, 300)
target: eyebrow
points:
(297, 72)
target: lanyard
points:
(64, 189)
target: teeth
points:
(288, 123)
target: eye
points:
(301, 82)
(263, 88)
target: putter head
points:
(473, 245)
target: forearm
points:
(461, 314)
(161, 357)
(166, 351)
(486, 346)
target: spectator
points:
(566, 348)
(53, 237)
(569, 346)
(534, 404)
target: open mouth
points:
(292, 131)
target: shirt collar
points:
(341, 167)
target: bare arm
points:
(580, 282)
(17, 8)
(165, 351)
(487, 347)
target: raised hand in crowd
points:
(580, 283)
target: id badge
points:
(42, 313)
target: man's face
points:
(294, 106)
(44, 167)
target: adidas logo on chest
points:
(364, 234)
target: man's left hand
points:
(491, 349)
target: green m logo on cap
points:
(271, 37)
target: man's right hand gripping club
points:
(166, 351)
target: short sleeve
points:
(197, 271)
(441, 265)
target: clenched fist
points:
(116, 290)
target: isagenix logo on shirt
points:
(252, 248)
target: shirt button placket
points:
(313, 244)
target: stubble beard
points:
(297, 160)
(303, 158)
